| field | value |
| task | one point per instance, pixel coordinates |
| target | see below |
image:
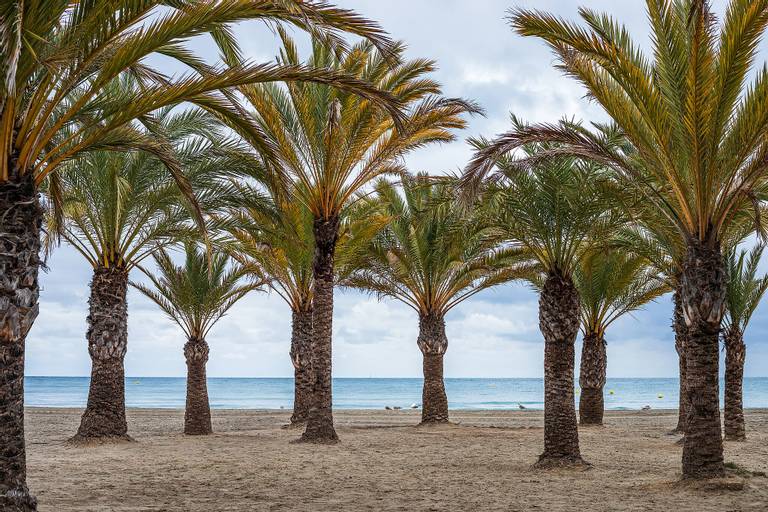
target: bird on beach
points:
(521, 406)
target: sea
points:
(368, 393)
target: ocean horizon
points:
(369, 392)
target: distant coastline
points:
(369, 393)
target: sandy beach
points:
(384, 463)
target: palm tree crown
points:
(116, 208)
(198, 293)
(612, 284)
(434, 253)
(745, 289)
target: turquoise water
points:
(237, 393)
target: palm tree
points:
(328, 146)
(272, 237)
(610, 284)
(196, 295)
(558, 211)
(699, 134)
(115, 210)
(744, 293)
(433, 255)
(59, 61)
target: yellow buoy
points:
(659, 396)
(610, 392)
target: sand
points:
(384, 463)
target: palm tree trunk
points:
(703, 286)
(197, 414)
(104, 415)
(20, 221)
(301, 339)
(681, 330)
(433, 343)
(592, 379)
(735, 354)
(320, 420)
(559, 310)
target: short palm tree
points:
(610, 284)
(196, 295)
(328, 146)
(59, 61)
(433, 255)
(745, 290)
(558, 211)
(115, 209)
(699, 133)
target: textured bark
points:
(320, 419)
(592, 380)
(681, 331)
(197, 414)
(433, 343)
(20, 221)
(703, 287)
(559, 310)
(104, 415)
(735, 353)
(301, 339)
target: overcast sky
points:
(495, 334)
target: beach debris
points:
(387, 407)
(521, 406)
(646, 407)
(415, 406)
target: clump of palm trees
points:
(309, 191)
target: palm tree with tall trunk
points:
(328, 146)
(59, 60)
(743, 296)
(196, 295)
(272, 237)
(699, 133)
(559, 211)
(433, 255)
(610, 284)
(115, 209)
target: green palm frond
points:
(198, 293)
(434, 253)
(696, 129)
(116, 208)
(326, 144)
(745, 289)
(557, 209)
(612, 284)
(62, 59)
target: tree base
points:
(295, 425)
(198, 432)
(738, 438)
(84, 440)
(434, 422)
(18, 500)
(314, 438)
(566, 462)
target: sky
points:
(494, 334)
